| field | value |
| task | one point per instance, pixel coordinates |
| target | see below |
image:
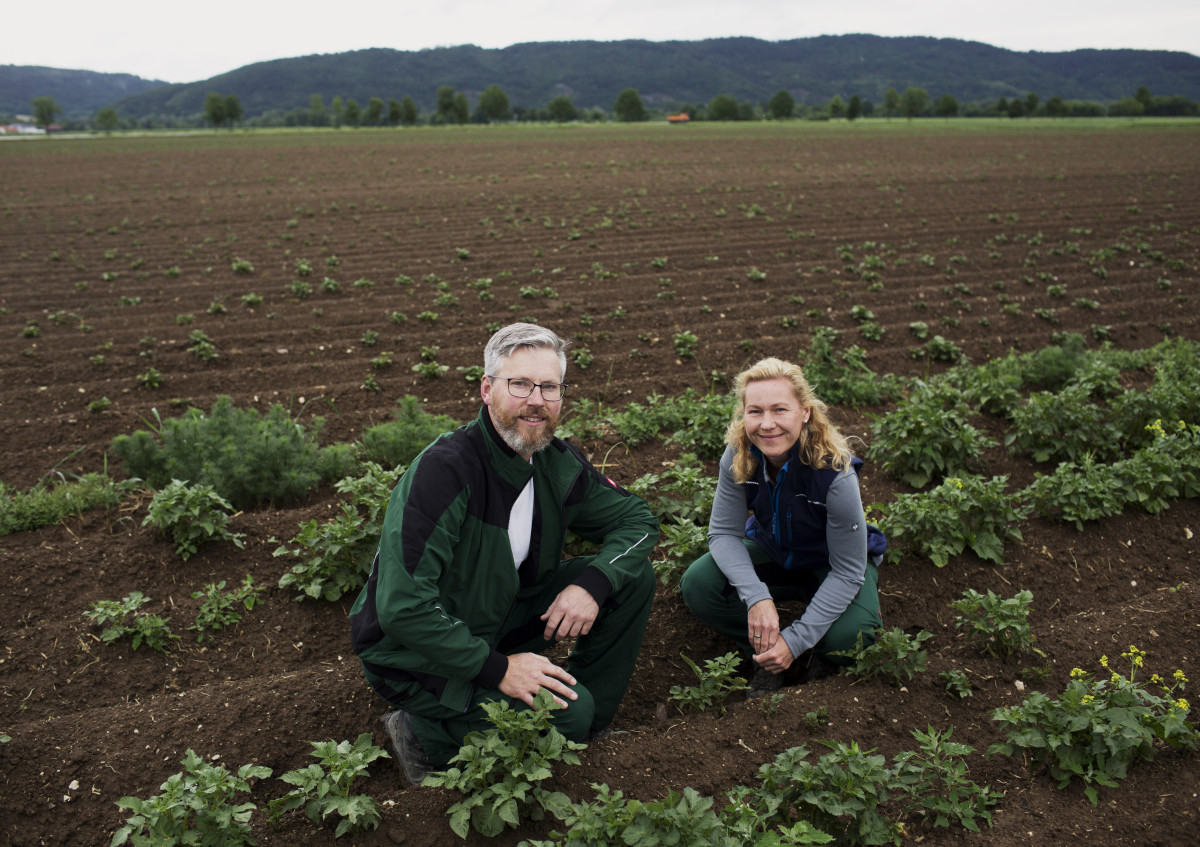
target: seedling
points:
(501, 771)
(718, 680)
(219, 607)
(956, 683)
(191, 515)
(1002, 624)
(121, 618)
(323, 788)
(194, 808)
(894, 655)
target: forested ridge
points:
(667, 74)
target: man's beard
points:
(509, 428)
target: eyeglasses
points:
(552, 392)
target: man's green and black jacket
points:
(444, 578)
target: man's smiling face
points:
(526, 424)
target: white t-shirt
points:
(520, 524)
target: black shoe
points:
(409, 755)
(763, 684)
(818, 668)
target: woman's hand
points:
(776, 660)
(770, 650)
(763, 626)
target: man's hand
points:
(571, 614)
(528, 673)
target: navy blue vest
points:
(790, 514)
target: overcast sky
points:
(185, 42)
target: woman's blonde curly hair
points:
(820, 444)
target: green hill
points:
(672, 73)
(78, 92)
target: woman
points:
(807, 539)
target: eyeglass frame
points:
(540, 386)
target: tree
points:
(781, 105)
(408, 111)
(445, 103)
(1002, 106)
(1031, 103)
(747, 111)
(628, 106)
(854, 108)
(1016, 108)
(891, 102)
(44, 110)
(946, 107)
(837, 106)
(107, 119)
(317, 115)
(393, 113)
(723, 107)
(352, 115)
(1143, 97)
(1056, 108)
(494, 103)
(335, 111)
(214, 109)
(233, 109)
(1128, 107)
(914, 101)
(374, 113)
(561, 109)
(462, 110)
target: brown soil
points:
(585, 212)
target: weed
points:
(46, 505)
(1097, 728)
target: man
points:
(467, 587)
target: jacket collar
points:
(792, 456)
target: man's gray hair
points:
(523, 336)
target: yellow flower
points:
(1104, 661)
(1156, 680)
(1088, 698)
(1076, 673)
(1179, 677)
(1116, 677)
(1181, 703)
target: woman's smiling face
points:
(774, 418)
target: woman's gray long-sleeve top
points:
(846, 538)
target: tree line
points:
(492, 106)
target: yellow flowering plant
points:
(1098, 727)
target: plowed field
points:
(748, 238)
